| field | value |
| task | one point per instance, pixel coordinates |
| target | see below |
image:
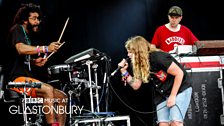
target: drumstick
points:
(54, 52)
(63, 30)
(60, 37)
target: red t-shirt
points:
(165, 39)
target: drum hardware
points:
(80, 74)
(77, 81)
(76, 91)
(89, 54)
(57, 69)
(96, 86)
(62, 72)
(89, 60)
(70, 105)
(88, 63)
(88, 83)
(92, 85)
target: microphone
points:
(119, 67)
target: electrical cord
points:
(132, 107)
(150, 112)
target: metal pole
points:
(96, 87)
(90, 85)
(24, 108)
(70, 106)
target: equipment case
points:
(206, 107)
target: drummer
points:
(28, 53)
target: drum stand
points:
(91, 87)
(77, 82)
(70, 93)
(70, 106)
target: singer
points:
(170, 81)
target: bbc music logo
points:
(42, 100)
(33, 100)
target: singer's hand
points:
(124, 65)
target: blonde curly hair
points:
(141, 50)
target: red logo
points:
(161, 75)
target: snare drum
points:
(60, 72)
(58, 69)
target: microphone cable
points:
(150, 112)
(141, 112)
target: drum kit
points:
(79, 73)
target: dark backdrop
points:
(106, 25)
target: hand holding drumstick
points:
(53, 47)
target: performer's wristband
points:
(43, 48)
(46, 49)
(124, 74)
(38, 50)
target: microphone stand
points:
(107, 81)
(106, 91)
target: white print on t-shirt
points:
(175, 39)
